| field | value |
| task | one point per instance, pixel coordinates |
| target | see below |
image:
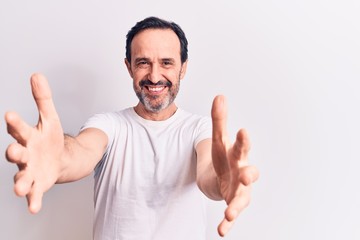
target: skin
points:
(45, 156)
(155, 56)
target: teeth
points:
(155, 89)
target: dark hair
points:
(157, 23)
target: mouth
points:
(155, 89)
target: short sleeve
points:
(104, 122)
(203, 130)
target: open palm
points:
(37, 149)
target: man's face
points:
(156, 68)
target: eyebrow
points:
(141, 59)
(148, 59)
(168, 59)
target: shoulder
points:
(107, 121)
(112, 116)
(193, 118)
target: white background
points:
(290, 71)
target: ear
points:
(183, 69)
(128, 66)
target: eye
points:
(142, 64)
(167, 63)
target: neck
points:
(155, 116)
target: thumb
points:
(42, 96)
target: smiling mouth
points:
(155, 89)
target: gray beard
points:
(154, 108)
(168, 100)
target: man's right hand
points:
(37, 150)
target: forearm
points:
(72, 167)
(80, 155)
(206, 177)
(208, 183)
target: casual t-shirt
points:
(145, 184)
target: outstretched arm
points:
(223, 171)
(43, 154)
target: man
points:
(153, 162)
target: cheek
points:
(139, 72)
(173, 76)
(137, 77)
(136, 86)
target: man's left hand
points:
(230, 162)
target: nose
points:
(155, 73)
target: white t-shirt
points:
(145, 184)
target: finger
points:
(17, 128)
(219, 136)
(23, 183)
(237, 205)
(43, 97)
(35, 199)
(248, 175)
(219, 118)
(241, 146)
(224, 227)
(16, 153)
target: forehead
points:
(160, 43)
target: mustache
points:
(147, 82)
